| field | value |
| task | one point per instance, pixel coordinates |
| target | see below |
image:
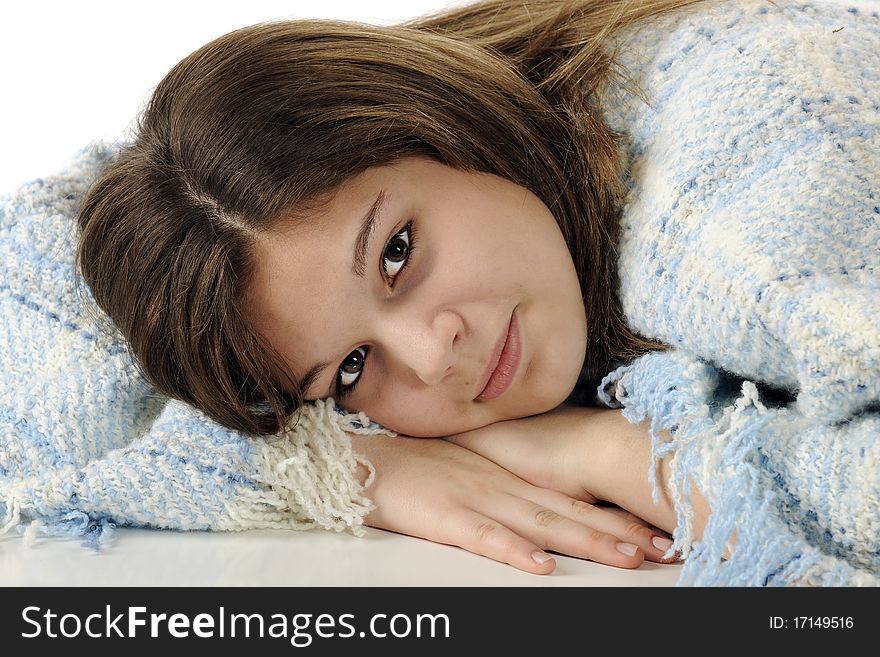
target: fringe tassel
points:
(717, 447)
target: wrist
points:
(605, 462)
(625, 481)
(374, 449)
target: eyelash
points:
(342, 391)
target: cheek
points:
(418, 414)
(391, 408)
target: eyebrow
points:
(359, 267)
(367, 229)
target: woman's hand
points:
(445, 493)
(588, 454)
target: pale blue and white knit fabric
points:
(86, 444)
(751, 244)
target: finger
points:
(487, 537)
(629, 529)
(660, 540)
(555, 531)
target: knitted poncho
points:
(749, 243)
(87, 444)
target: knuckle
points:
(595, 536)
(545, 517)
(581, 508)
(494, 543)
(485, 531)
(638, 531)
(507, 549)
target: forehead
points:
(302, 267)
(297, 261)
(335, 218)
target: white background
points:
(73, 72)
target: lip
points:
(504, 362)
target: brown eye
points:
(397, 249)
(397, 253)
(351, 368)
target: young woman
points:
(418, 221)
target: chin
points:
(540, 403)
(548, 403)
(437, 430)
(559, 388)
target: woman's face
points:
(433, 300)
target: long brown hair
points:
(271, 119)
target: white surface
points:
(140, 557)
(76, 72)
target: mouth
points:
(503, 363)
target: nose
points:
(426, 346)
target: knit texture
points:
(751, 244)
(86, 444)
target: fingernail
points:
(627, 548)
(661, 543)
(540, 557)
